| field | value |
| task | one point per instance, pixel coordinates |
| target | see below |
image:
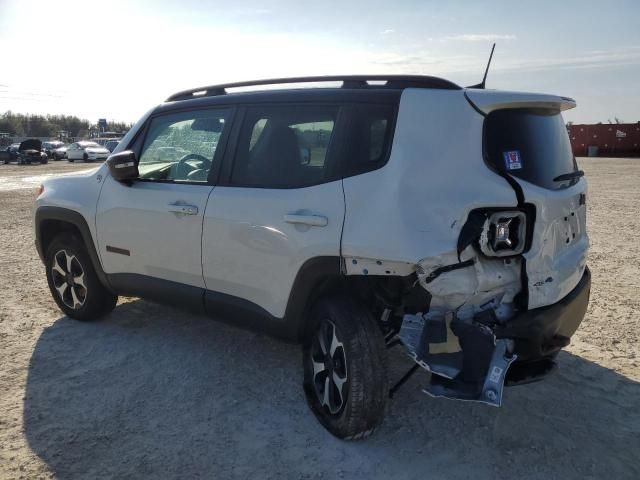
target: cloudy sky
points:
(117, 58)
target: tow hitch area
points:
(465, 359)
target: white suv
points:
(399, 210)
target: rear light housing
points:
(504, 234)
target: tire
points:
(70, 160)
(87, 302)
(359, 364)
(85, 157)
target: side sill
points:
(158, 290)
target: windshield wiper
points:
(569, 176)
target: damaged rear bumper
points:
(542, 332)
(473, 360)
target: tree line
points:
(22, 125)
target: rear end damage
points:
(478, 322)
(508, 293)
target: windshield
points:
(89, 144)
(531, 144)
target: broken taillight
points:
(504, 234)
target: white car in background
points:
(60, 152)
(86, 151)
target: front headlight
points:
(504, 234)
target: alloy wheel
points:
(329, 362)
(69, 279)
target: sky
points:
(116, 59)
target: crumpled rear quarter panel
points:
(415, 206)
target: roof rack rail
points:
(348, 81)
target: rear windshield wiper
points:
(569, 176)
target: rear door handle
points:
(183, 208)
(311, 220)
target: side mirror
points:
(123, 166)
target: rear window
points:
(531, 144)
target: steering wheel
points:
(181, 173)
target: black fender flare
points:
(75, 219)
(306, 289)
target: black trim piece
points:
(157, 289)
(301, 95)
(243, 313)
(543, 331)
(349, 81)
(447, 268)
(475, 107)
(75, 219)
(310, 282)
(120, 251)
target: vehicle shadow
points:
(151, 391)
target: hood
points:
(31, 144)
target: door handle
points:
(311, 220)
(183, 208)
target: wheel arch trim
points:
(75, 219)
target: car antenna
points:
(484, 79)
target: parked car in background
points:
(30, 151)
(13, 153)
(86, 151)
(112, 144)
(60, 152)
(49, 147)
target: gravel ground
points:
(151, 391)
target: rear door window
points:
(285, 147)
(531, 144)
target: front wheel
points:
(73, 281)
(345, 368)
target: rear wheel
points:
(85, 157)
(345, 368)
(73, 281)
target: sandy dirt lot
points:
(151, 391)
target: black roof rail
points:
(348, 81)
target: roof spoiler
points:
(486, 101)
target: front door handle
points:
(183, 208)
(311, 220)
